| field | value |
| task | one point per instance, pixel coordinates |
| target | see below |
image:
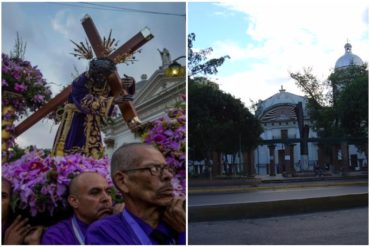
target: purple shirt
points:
(115, 230)
(62, 233)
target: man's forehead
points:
(90, 178)
(151, 155)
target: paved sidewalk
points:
(235, 185)
(273, 201)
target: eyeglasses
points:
(155, 170)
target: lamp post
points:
(175, 69)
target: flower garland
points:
(40, 183)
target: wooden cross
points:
(127, 108)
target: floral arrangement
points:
(168, 134)
(23, 86)
(40, 182)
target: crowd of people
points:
(149, 215)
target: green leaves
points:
(197, 60)
(218, 121)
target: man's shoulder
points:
(109, 220)
(110, 230)
(59, 233)
(61, 225)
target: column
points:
(272, 160)
(291, 153)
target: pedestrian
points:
(152, 214)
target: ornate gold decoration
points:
(82, 50)
(109, 44)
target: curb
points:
(274, 208)
(274, 187)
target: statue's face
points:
(100, 80)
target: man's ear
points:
(120, 180)
(73, 201)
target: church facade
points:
(153, 97)
(281, 151)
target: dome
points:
(278, 101)
(348, 58)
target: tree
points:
(197, 63)
(343, 111)
(352, 103)
(218, 122)
(319, 104)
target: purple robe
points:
(79, 131)
(115, 230)
(62, 233)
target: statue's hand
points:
(134, 123)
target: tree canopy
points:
(343, 111)
(218, 122)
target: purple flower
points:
(40, 182)
(23, 79)
(20, 87)
(168, 135)
(39, 98)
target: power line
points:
(133, 10)
(116, 9)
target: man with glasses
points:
(152, 214)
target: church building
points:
(153, 97)
(281, 151)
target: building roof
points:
(283, 98)
(348, 58)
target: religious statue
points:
(92, 94)
(89, 103)
(166, 57)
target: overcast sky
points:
(47, 28)
(268, 39)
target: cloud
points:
(286, 36)
(65, 23)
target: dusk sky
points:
(47, 28)
(268, 39)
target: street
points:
(340, 227)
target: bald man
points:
(89, 197)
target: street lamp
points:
(175, 69)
